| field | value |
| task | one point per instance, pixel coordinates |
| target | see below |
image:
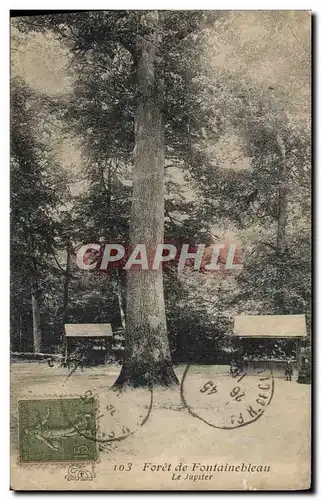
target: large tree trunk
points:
(147, 357)
(280, 242)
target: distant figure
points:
(236, 366)
(233, 366)
(288, 370)
(51, 362)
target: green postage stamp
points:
(57, 430)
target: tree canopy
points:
(222, 133)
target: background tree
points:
(36, 191)
(146, 37)
(222, 162)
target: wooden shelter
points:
(92, 340)
(270, 339)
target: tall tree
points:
(266, 201)
(37, 188)
(148, 358)
(149, 49)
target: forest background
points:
(237, 168)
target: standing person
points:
(288, 370)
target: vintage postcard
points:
(160, 250)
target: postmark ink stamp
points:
(119, 414)
(228, 400)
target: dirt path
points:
(172, 436)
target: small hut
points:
(91, 341)
(269, 340)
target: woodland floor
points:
(171, 435)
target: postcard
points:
(160, 176)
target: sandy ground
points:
(172, 438)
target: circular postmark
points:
(229, 399)
(118, 414)
(107, 415)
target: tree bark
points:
(66, 284)
(36, 327)
(280, 242)
(147, 356)
(121, 302)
